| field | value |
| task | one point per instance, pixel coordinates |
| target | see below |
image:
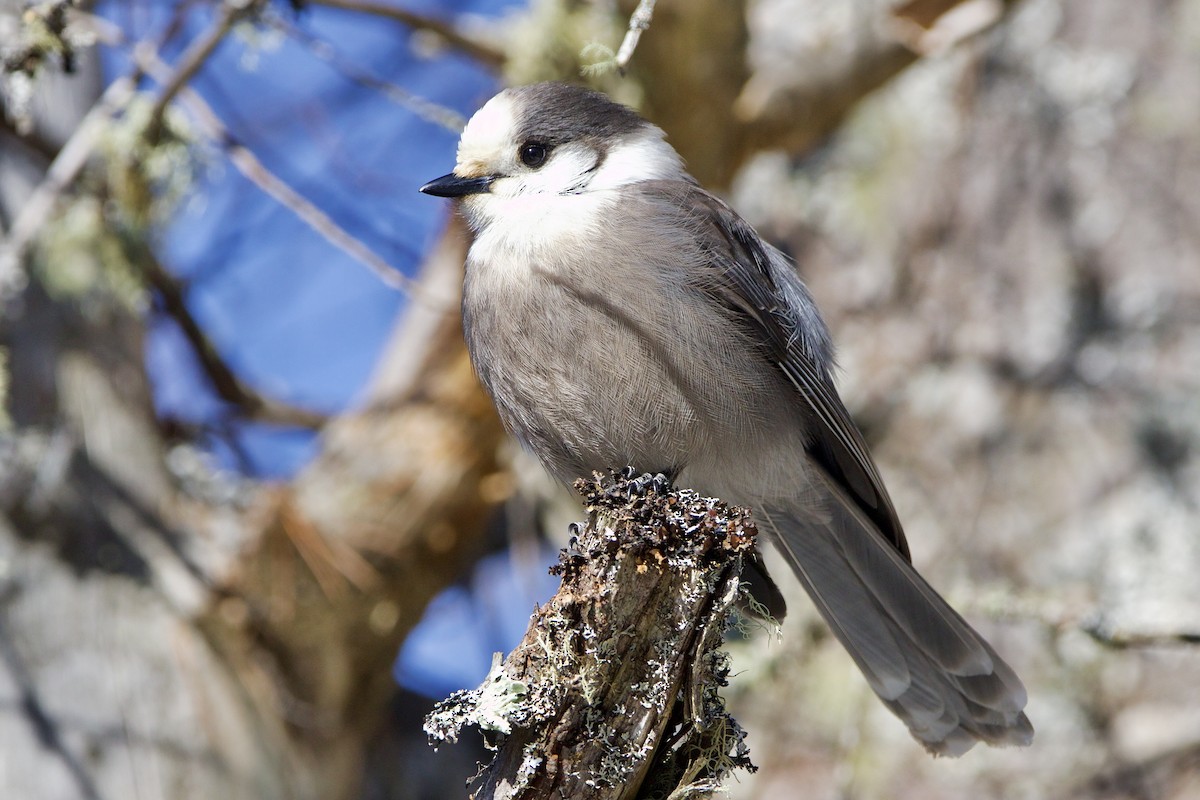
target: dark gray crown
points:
(556, 113)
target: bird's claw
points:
(634, 485)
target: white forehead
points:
(489, 133)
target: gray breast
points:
(627, 360)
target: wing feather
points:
(841, 535)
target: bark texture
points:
(613, 692)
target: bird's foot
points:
(631, 484)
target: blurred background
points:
(256, 515)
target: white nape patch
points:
(642, 157)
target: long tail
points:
(923, 660)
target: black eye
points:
(533, 154)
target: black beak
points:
(453, 186)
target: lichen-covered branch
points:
(613, 692)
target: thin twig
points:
(476, 49)
(429, 111)
(639, 21)
(193, 59)
(1055, 616)
(252, 168)
(1129, 640)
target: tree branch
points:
(639, 21)
(193, 59)
(429, 111)
(613, 693)
(229, 387)
(476, 49)
(1117, 639)
(796, 113)
(252, 168)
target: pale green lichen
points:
(150, 163)
(93, 244)
(78, 254)
(499, 697)
(597, 59)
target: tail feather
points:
(923, 660)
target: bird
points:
(620, 314)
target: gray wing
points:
(764, 288)
(843, 540)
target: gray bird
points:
(619, 314)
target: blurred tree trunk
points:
(1002, 241)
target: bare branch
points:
(193, 59)
(795, 110)
(228, 385)
(250, 166)
(1057, 617)
(478, 50)
(932, 26)
(1127, 640)
(429, 111)
(639, 21)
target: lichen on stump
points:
(614, 691)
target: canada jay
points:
(619, 314)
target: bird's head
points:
(548, 140)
